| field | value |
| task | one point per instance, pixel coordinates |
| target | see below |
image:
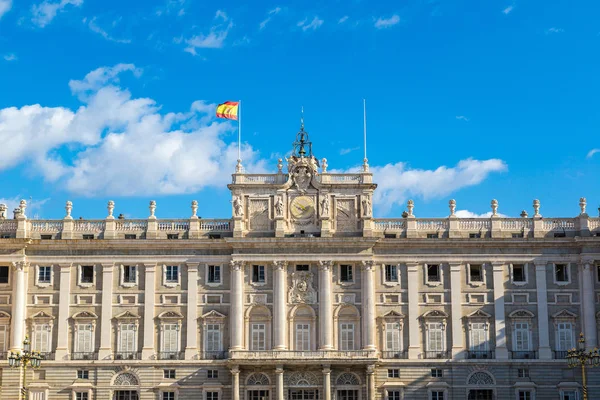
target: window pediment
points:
(524, 314)
(393, 315)
(435, 314)
(4, 317)
(213, 314)
(565, 314)
(84, 315)
(42, 316)
(170, 315)
(127, 315)
(479, 314)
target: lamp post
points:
(580, 358)
(24, 360)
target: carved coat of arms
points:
(301, 177)
(302, 290)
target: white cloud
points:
(348, 150)
(5, 6)
(45, 12)
(95, 28)
(314, 24)
(343, 19)
(591, 153)
(10, 57)
(221, 14)
(554, 30)
(469, 214)
(462, 118)
(382, 23)
(507, 10)
(270, 14)
(121, 144)
(215, 39)
(396, 182)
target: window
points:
(88, 237)
(82, 396)
(478, 339)
(87, 274)
(561, 272)
(437, 373)
(393, 373)
(564, 336)
(303, 267)
(129, 274)
(168, 396)
(392, 336)
(172, 273)
(435, 336)
(391, 273)
(437, 395)
(212, 374)
(43, 237)
(394, 395)
(302, 337)
(433, 236)
(525, 395)
(44, 274)
(169, 373)
(258, 274)
(475, 235)
(259, 337)
(476, 273)
(213, 337)
(346, 273)
(172, 236)
(127, 338)
(130, 236)
(518, 272)
(346, 336)
(3, 275)
(83, 374)
(41, 338)
(521, 336)
(214, 274)
(84, 341)
(213, 396)
(569, 395)
(170, 340)
(3, 337)
(433, 273)
(523, 373)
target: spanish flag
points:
(228, 110)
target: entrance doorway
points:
(258, 395)
(126, 395)
(481, 394)
(303, 394)
(347, 395)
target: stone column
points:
(279, 382)
(191, 345)
(589, 306)
(148, 349)
(499, 312)
(105, 350)
(62, 347)
(279, 304)
(371, 382)
(236, 320)
(368, 306)
(542, 305)
(325, 306)
(19, 299)
(235, 383)
(326, 382)
(458, 343)
(414, 341)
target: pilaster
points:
(371, 382)
(368, 305)
(62, 349)
(458, 345)
(542, 304)
(589, 306)
(237, 305)
(414, 342)
(19, 299)
(235, 382)
(325, 306)
(191, 343)
(279, 382)
(498, 269)
(105, 350)
(148, 349)
(279, 304)
(326, 382)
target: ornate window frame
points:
(525, 271)
(122, 275)
(563, 316)
(252, 383)
(521, 315)
(392, 317)
(171, 284)
(37, 276)
(435, 316)
(479, 316)
(84, 318)
(354, 319)
(293, 319)
(265, 319)
(213, 317)
(206, 274)
(5, 323)
(426, 275)
(42, 319)
(355, 383)
(127, 317)
(170, 318)
(383, 275)
(484, 380)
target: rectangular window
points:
(392, 336)
(168, 396)
(391, 273)
(303, 267)
(562, 273)
(476, 273)
(41, 338)
(3, 274)
(393, 373)
(213, 337)
(81, 396)
(437, 395)
(346, 273)
(212, 374)
(394, 395)
(519, 273)
(83, 374)
(525, 395)
(564, 336)
(169, 373)
(258, 274)
(44, 274)
(475, 235)
(433, 236)
(87, 274)
(88, 237)
(172, 236)
(569, 395)
(127, 339)
(437, 373)
(84, 344)
(3, 337)
(521, 336)
(130, 236)
(433, 273)
(170, 342)
(43, 237)
(347, 336)
(213, 396)
(259, 337)
(129, 274)
(435, 336)
(479, 341)
(523, 373)
(302, 337)
(214, 274)
(172, 273)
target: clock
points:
(302, 207)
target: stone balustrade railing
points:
(298, 355)
(280, 179)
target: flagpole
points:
(365, 160)
(240, 131)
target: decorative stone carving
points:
(257, 299)
(524, 214)
(23, 206)
(452, 205)
(346, 215)
(582, 204)
(347, 298)
(3, 209)
(302, 378)
(238, 206)
(236, 265)
(259, 214)
(368, 265)
(536, 208)
(111, 208)
(324, 165)
(152, 208)
(126, 379)
(301, 178)
(258, 379)
(325, 206)
(302, 290)
(494, 206)
(366, 205)
(280, 166)
(278, 206)
(347, 378)
(194, 209)
(68, 208)
(480, 379)
(410, 205)
(325, 265)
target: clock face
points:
(302, 207)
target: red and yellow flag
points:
(228, 110)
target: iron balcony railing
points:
(524, 355)
(480, 354)
(213, 355)
(436, 354)
(128, 355)
(47, 355)
(84, 355)
(560, 354)
(170, 355)
(397, 354)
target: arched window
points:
(126, 379)
(258, 319)
(302, 328)
(347, 379)
(258, 379)
(480, 378)
(348, 327)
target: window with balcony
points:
(564, 337)
(84, 338)
(127, 341)
(4, 275)
(302, 337)
(259, 337)
(4, 338)
(42, 338)
(346, 273)
(213, 338)
(475, 273)
(169, 341)
(521, 337)
(433, 273)
(214, 274)
(561, 274)
(391, 273)
(392, 337)
(346, 336)
(435, 338)
(44, 274)
(258, 274)
(478, 340)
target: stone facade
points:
(302, 294)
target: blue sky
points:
(466, 100)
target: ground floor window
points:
(347, 395)
(569, 395)
(258, 395)
(126, 395)
(303, 394)
(525, 395)
(481, 394)
(394, 395)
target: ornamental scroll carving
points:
(302, 378)
(302, 290)
(481, 379)
(126, 379)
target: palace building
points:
(301, 295)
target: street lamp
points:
(27, 359)
(580, 358)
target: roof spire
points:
(302, 118)
(302, 145)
